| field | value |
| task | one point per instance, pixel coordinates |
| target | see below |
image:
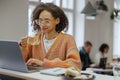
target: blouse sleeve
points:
(72, 57)
(97, 58)
(26, 51)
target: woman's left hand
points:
(34, 62)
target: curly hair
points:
(56, 13)
(103, 47)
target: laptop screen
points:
(103, 62)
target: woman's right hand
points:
(23, 41)
(34, 62)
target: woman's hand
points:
(34, 62)
(23, 41)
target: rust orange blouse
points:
(63, 52)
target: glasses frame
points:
(45, 21)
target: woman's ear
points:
(57, 20)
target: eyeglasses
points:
(45, 21)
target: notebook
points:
(54, 71)
(11, 57)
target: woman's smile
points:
(44, 28)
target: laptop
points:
(11, 57)
(103, 62)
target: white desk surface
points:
(38, 76)
(29, 76)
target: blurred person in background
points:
(85, 55)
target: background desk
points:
(38, 76)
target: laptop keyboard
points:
(32, 67)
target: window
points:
(47, 1)
(68, 7)
(30, 28)
(69, 4)
(116, 48)
(57, 2)
(70, 20)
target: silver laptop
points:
(11, 57)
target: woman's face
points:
(47, 22)
(106, 50)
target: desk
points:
(29, 76)
(38, 76)
(98, 70)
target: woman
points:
(54, 49)
(103, 50)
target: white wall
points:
(100, 30)
(13, 19)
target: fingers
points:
(31, 61)
(35, 62)
(24, 41)
(30, 40)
